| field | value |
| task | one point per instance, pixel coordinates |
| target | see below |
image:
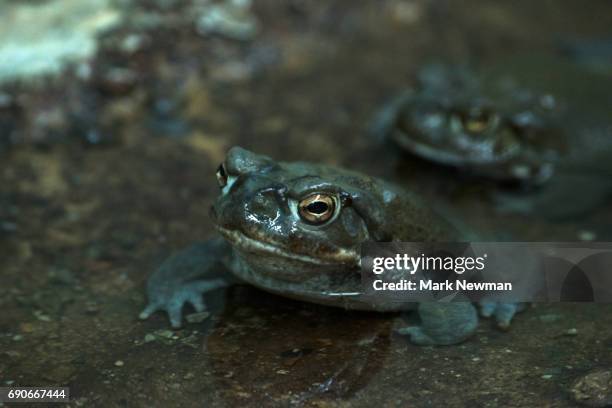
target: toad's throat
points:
(248, 244)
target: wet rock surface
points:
(108, 168)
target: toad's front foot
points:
(443, 323)
(184, 277)
(172, 300)
(503, 313)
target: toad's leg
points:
(185, 276)
(443, 323)
(502, 312)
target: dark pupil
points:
(318, 207)
(483, 117)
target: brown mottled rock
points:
(594, 389)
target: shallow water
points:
(108, 168)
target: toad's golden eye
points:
(317, 208)
(477, 121)
(221, 176)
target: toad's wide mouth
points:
(248, 244)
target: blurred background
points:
(114, 115)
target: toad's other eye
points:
(221, 176)
(317, 208)
(477, 121)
